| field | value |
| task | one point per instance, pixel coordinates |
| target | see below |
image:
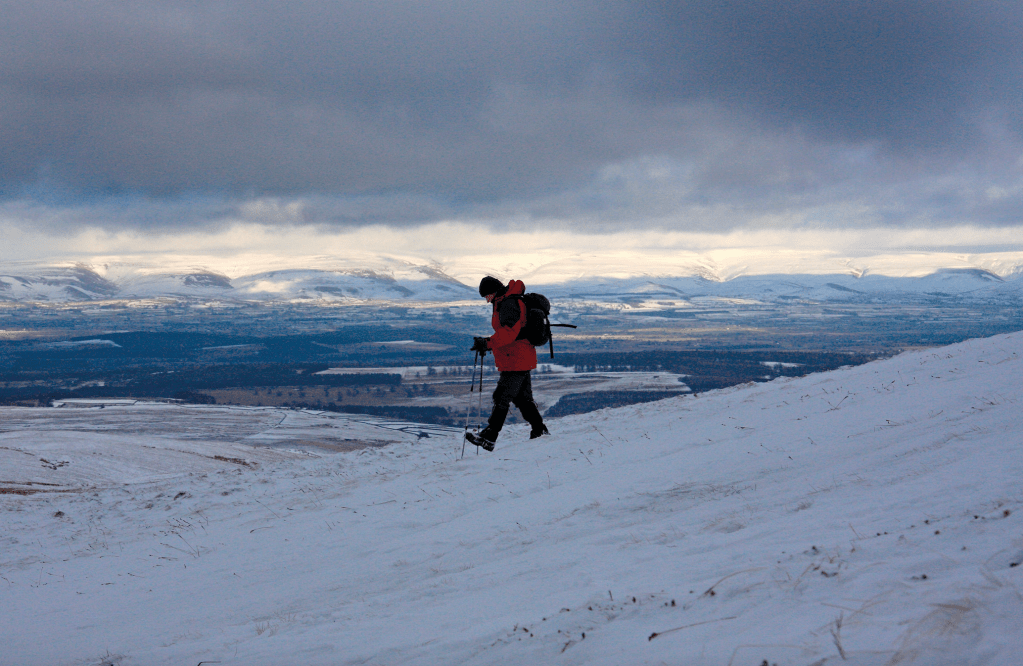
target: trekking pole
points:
(479, 406)
(551, 337)
(468, 406)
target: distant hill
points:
(405, 282)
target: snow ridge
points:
(390, 280)
(866, 516)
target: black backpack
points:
(537, 329)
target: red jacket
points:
(511, 354)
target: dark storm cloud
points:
(406, 111)
(278, 97)
(896, 71)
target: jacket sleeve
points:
(512, 309)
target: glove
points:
(479, 345)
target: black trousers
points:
(513, 388)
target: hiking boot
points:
(483, 439)
(539, 431)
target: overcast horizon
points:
(244, 128)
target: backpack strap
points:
(522, 309)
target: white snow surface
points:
(870, 515)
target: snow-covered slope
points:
(390, 279)
(421, 284)
(394, 281)
(768, 288)
(71, 282)
(867, 516)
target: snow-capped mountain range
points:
(391, 280)
(80, 282)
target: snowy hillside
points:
(421, 283)
(867, 516)
(769, 288)
(77, 282)
(390, 279)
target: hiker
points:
(512, 356)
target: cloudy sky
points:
(259, 126)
